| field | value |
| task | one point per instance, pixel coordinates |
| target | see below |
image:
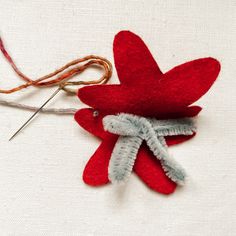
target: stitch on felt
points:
(153, 132)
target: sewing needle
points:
(40, 108)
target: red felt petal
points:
(93, 124)
(96, 170)
(179, 88)
(149, 169)
(188, 82)
(134, 62)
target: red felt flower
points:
(145, 91)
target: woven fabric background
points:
(41, 189)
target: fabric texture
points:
(144, 91)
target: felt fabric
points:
(169, 93)
(144, 91)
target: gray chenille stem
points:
(133, 130)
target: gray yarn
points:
(135, 129)
(59, 111)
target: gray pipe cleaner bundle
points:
(133, 130)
